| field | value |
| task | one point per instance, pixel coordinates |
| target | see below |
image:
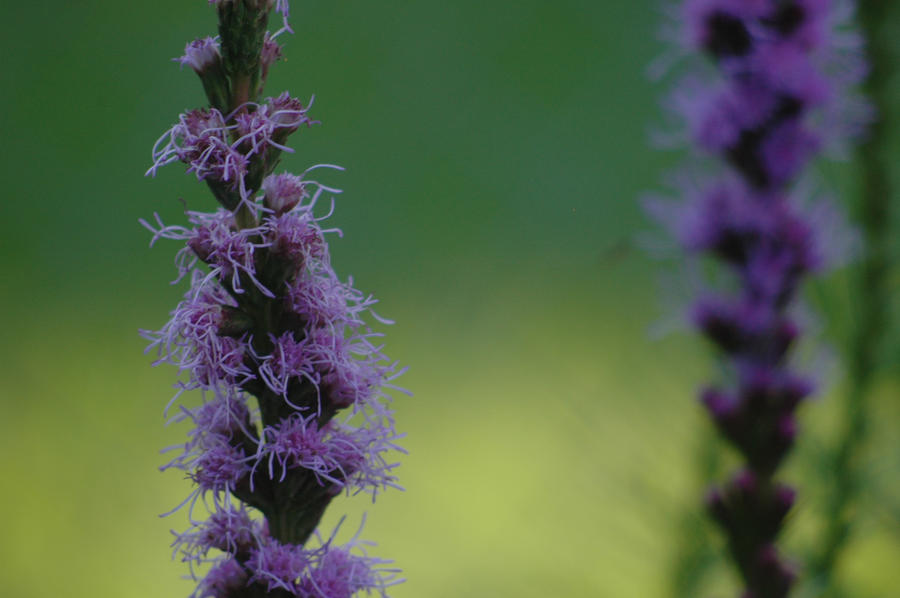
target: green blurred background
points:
(494, 155)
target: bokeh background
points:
(495, 152)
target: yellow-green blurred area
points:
(495, 153)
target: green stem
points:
(695, 557)
(865, 344)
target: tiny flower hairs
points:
(771, 93)
(292, 376)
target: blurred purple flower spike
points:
(760, 113)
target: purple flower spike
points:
(780, 74)
(293, 378)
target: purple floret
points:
(224, 578)
(284, 191)
(200, 139)
(201, 54)
(277, 565)
(339, 574)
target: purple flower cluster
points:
(785, 69)
(772, 94)
(221, 153)
(266, 317)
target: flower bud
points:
(785, 496)
(284, 191)
(201, 54)
(271, 52)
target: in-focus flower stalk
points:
(771, 96)
(292, 375)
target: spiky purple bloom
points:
(777, 94)
(266, 317)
